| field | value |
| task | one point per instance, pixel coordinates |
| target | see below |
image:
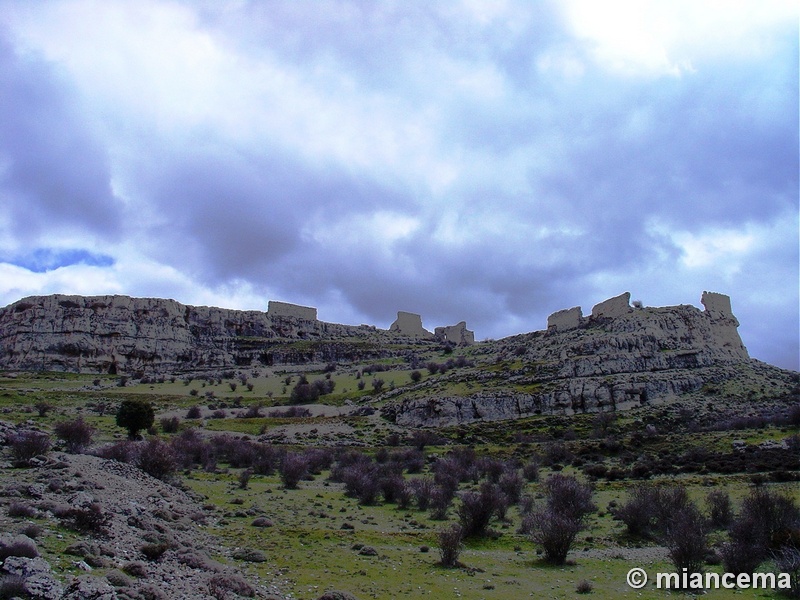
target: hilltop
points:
(289, 457)
(617, 357)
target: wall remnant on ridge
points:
(458, 334)
(410, 324)
(285, 309)
(618, 306)
(562, 320)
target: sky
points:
(489, 161)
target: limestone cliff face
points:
(119, 334)
(619, 357)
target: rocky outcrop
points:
(616, 358)
(134, 508)
(120, 334)
(124, 335)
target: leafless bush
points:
(170, 424)
(555, 526)
(89, 519)
(649, 509)
(18, 547)
(511, 484)
(423, 490)
(767, 522)
(530, 470)
(441, 499)
(686, 539)
(42, 408)
(362, 481)
(27, 445)
(77, 434)
(554, 532)
(124, 452)
(720, 512)
(422, 438)
(221, 585)
(476, 509)
(788, 561)
(450, 544)
(189, 449)
(20, 510)
(156, 459)
(568, 496)
(391, 487)
(411, 460)
(317, 459)
(491, 469)
(556, 453)
(292, 412)
(194, 412)
(253, 411)
(404, 496)
(292, 469)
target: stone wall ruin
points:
(457, 334)
(285, 309)
(562, 320)
(617, 306)
(410, 324)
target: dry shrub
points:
(18, 547)
(450, 544)
(77, 434)
(27, 445)
(220, 584)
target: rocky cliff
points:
(618, 357)
(119, 334)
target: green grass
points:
(307, 550)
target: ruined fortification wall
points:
(457, 334)
(616, 358)
(410, 325)
(562, 320)
(617, 306)
(285, 309)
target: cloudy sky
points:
(481, 160)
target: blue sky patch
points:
(43, 260)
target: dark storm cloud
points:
(485, 161)
(227, 213)
(54, 174)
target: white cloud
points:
(649, 37)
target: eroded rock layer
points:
(119, 334)
(619, 357)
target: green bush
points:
(135, 415)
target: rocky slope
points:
(144, 538)
(618, 357)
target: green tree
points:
(135, 415)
